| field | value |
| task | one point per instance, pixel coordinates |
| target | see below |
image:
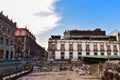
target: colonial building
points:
(78, 43)
(7, 38)
(26, 45)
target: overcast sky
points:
(52, 17)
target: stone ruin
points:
(111, 70)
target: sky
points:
(52, 17)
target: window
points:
(1, 40)
(62, 55)
(20, 32)
(115, 53)
(79, 47)
(11, 31)
(1, 27)
(7, 42)
(7, 54)
(7, 30)
(22, 39)
(52, 46)
(87, 53)
(19, 40)
(18, 49)
(79, 54)
(102, 53)
(95, 53)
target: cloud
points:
(38, 15)
(43, 14)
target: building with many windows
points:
(7, 38)
(78, 43)
(26, 45)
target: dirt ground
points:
(63, 75)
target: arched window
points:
(7, 54)
(11, 56)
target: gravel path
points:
(63, 75)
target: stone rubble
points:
(63, 75)
(111, 70)
(56, 72)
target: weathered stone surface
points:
(64, 75)
(111, 70)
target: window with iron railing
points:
(70, 47)
(7, 42)
(102, 53)
(95, 48)
(115, 48)
(109, 53)
(87, 47)
(95, 53)
(115, 53)
(3, 28)
(101, 47)
(108, 48)
(79, 53)
(79, 47)
(87, 53)
(62, 47)
(1, 40)
(51, 46)
(1, 54)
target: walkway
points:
(63, 75)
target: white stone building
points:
(76, 44)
